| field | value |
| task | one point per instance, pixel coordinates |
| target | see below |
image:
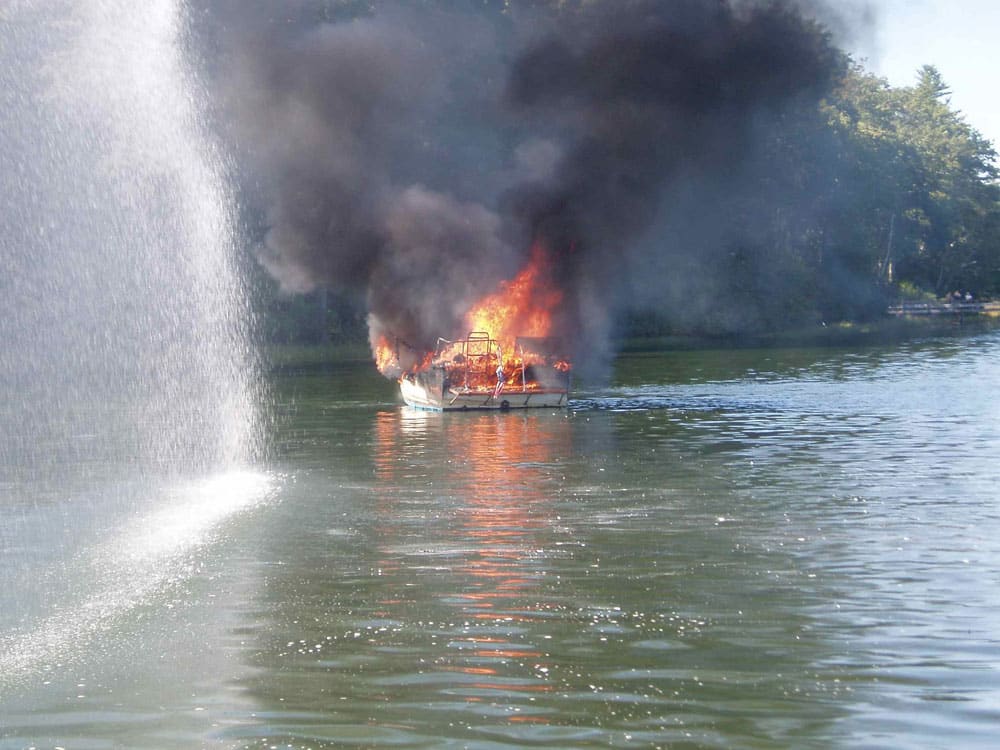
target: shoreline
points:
(889, 330)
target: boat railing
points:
(471, 363)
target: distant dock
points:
(956, 309)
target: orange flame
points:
(521, 307)
(385, 355)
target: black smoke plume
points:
(413, 153)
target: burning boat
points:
(473, 373)
(508, 361)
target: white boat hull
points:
(421, 395)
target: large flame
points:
(521, 307)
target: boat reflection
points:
(482, 560)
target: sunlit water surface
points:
(129, 392)
(743, 549)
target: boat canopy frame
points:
(471, 363)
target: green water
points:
(754, 549)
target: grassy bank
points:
(888, 330)
(277, 356)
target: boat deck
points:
(472, 374)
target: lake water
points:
(743, 549)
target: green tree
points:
(955, 192)
(919, 186)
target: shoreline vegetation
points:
(888, 330)
(891, 329)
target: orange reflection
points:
(470, 670)
(494, 476)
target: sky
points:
(958, 37)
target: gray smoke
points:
(413, 153)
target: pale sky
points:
(961, 38)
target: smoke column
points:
(414, 155)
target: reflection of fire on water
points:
(507, 344)
(489, 571)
